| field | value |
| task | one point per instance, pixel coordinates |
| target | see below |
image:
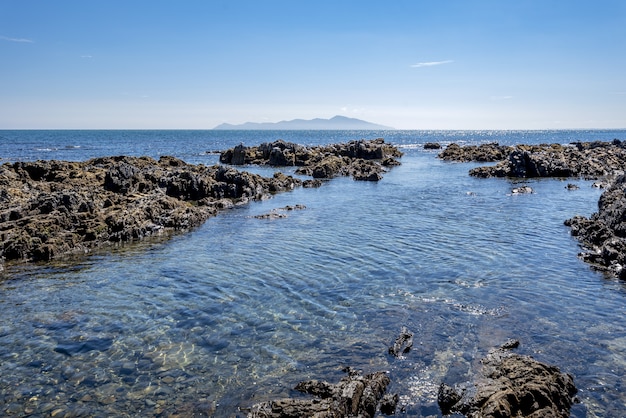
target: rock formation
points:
(603, 235)
(53, 208)
(581, 159)
(354, 396)
(363, 159)
(511, 385)
(482, 153)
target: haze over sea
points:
(240, 309)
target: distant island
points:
(334, 123)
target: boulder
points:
(354, 396)
(511, 385)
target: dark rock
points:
(432, 145)
(310, 184)
(511, 385)
(402, 344)
(603, 235)
(69, 348)
(389, 403)
(482, 153)
(275, 213)
(363, 159)
(581, 159)
(50, 209)
(354, 396)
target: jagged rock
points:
(482, 153)
(432, 145)
(354, 396)
(53, 208)
(581, 159)
(403, 343)
(511, 385)
(603, 235)
(363, 159)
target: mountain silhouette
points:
(334, 123)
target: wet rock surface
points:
(354, 396)
(50, 209)
(580, 159)
(363, 159)
(511, 385)
(603, 235)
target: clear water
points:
(241, 309)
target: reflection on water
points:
(241, 309)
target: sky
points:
(408, 64)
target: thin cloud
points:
(86, 56)
(431, 63)
(23, 40)
(501, 97)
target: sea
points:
(239, 310)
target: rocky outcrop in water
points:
(354, 396)
(363, 159)
(603, 235)
(53, 208)
(482, 153)
(511, 385)
(580, 159)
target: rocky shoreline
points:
(603, 235)
(506, 385)
(52, 209)
(579, 159)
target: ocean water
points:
(241, 309)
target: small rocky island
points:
(603, 235)
(363, 159)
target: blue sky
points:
(535, 64)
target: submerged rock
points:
(403, 343)
(363, 159)
(511, 385)
(52, 208)
(522, 190)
